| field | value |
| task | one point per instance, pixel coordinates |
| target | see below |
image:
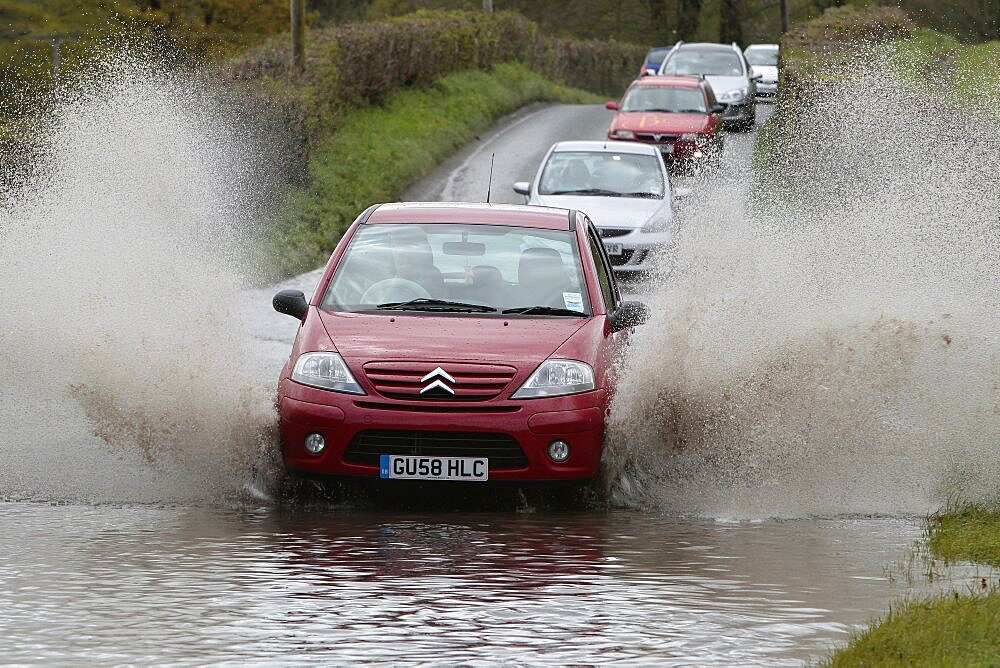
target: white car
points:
(623, 187)
(727, 71)
(763, 59)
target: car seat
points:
(541, 278)
(488, 287)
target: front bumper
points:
(637, 248)
(738, 114)
(341, 418)
(767, 88)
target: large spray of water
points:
(127, 373)
(835, 348)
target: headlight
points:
(555, 378)
(657, 223)
(734, 96)
(689, 136)
(326, 371)
(622, 134)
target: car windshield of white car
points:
(602, 174)
(666, 100)
(482, 270)
(763, 57)
(709, 63)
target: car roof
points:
(705, 46)
(669, 81)
(512, 215)
(606, 147)
(769, 47)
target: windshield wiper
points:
(543, 310)
(586, 191)
(646, 195)
(443, 305)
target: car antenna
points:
(489, 186)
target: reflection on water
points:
(166, 584)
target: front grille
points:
(473, 382)
(503, 451)
(655, 139)
(619, 260)
(612, 232)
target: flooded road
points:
(189, 585)
(139, 378)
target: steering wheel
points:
(393, 290)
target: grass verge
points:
(969, 74)
(375, 153)
(947, 631)
(953, 630)
(971, 533)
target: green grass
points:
(952, 630)
(966, 73)
(968, 534)
(947, 631)
(375, 153)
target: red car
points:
(455, 342)
(680, 115)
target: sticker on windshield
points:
(573, 301)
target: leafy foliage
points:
(376, 152)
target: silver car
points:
(763, 59)
(727, 71)
(622, 186)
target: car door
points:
(614, 342)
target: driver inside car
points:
(413, 260)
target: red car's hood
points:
(521, 341)
(657, 122)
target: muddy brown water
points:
(193, 585)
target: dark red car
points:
(680, 115)
(455, 342)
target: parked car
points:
(728, 73)
(679, 115)
(763, 59)
(462, 342)
(654, 58)
(624, 188)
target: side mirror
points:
(612, 105)
(681, 193)
(628, 314)
(718, 108)
(756, 77)
(522, 188)
(291, 302)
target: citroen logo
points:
(439, 375)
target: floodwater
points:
(193, 585)
(834, 364)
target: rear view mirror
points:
(629, 314)
(291, 302)
(522, 188)
(464, 248)
(612, 105)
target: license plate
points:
(667, 148)
(415, 467)
(614, 249)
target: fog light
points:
(315, 443)
(558, 451)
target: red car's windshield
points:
(668, 100)
(456, 268)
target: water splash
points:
(833, 348)
(121, 341)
